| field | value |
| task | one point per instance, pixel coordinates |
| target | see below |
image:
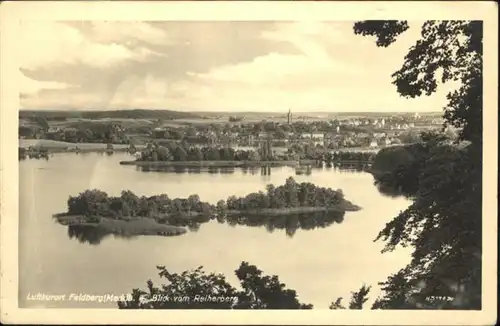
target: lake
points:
(320, 264)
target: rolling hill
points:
(113, 114)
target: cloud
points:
(31, 87)
(43, 44)
(257, 66)
(274, 69)
(127, 33)
(281, 69)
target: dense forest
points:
(95, 203)
(117, 114)
(443, 225)
(289, 195)
(180, 152)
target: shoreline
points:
(134, 227)
(218, 163)
(55, 146)
(223, 164)
(345, 207)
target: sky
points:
(258, 66)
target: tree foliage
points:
(358, 299)
(291, 194)
(443, 224)
(180, 152)
(92, 203)
(184, 290)
(448, 51)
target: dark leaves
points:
(258, 291)
(443, 224)
(359, 297)
(452, 49)
(386, 31)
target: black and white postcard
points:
(249, 162)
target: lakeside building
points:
(313, 135)
(159, 133)
(54, 134)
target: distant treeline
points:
(120, 114)
(184, 152)
(397, 169)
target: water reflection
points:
(45, 244)
(349, 167)
(210, 169)
(254, 170)
(92, 235)
(290, 222)
(389, 190)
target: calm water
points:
(321, 264)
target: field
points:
(115, 114)
(60, 145)
(169, 118)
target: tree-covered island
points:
(183, 154)
(130, 215)
(292, 197)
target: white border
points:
(12, 12)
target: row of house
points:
(247, 138)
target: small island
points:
(129, 215)
(290, 198)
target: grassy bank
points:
(55, 146)
(296, 210)
(135, 226)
